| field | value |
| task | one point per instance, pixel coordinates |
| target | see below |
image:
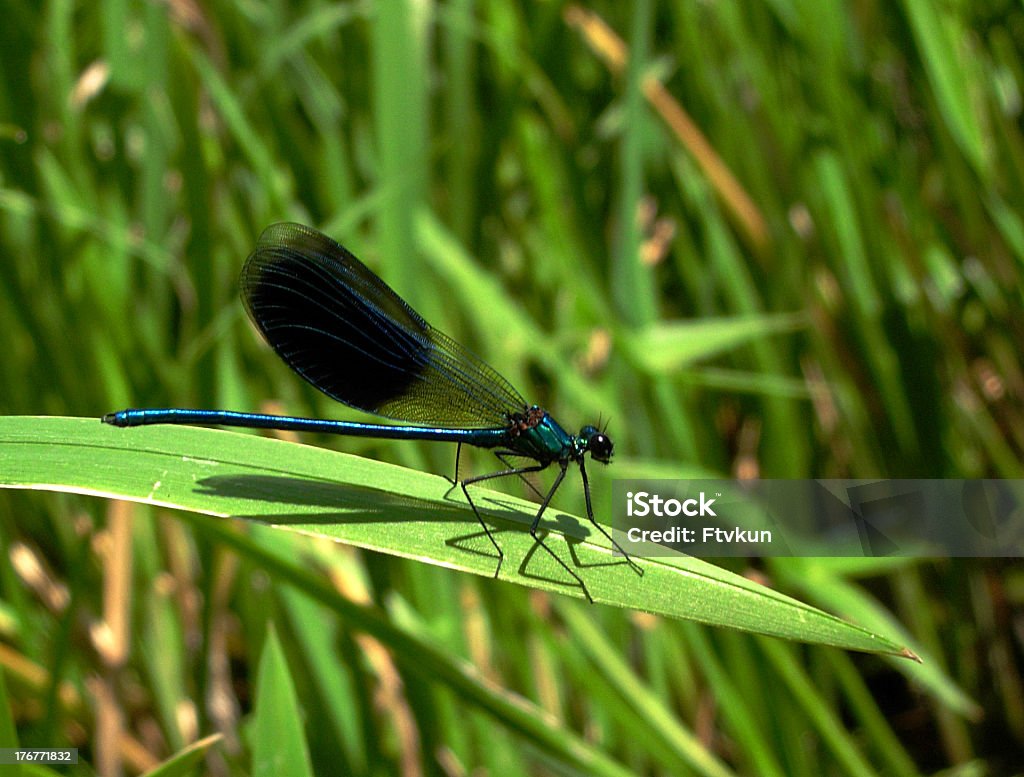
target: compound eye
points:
(600, 447)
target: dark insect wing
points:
(317, 306)
(345, 331)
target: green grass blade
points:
(817, 710)
(738, 711)
(184, 762)
(401, 117)
(279, 744)
(660, 720)
(8, 733)
(666, 347)
(391, 510)
(949, 64)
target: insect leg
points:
(491, 476)
(600, 528)
(536, 520)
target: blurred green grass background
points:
(522, 188)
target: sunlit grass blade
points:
(666, 347)
(389, 509)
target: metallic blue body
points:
(481, 438)
(546, 442)
(535, 434)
